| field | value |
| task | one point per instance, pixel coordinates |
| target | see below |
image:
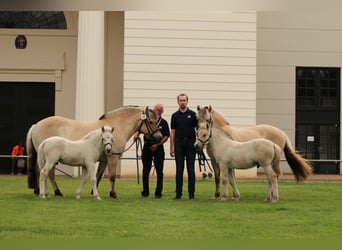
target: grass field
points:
(310, 210)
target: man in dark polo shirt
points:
(182, 139)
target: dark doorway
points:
(318, 117)
(21, 105)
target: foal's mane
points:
(129, 108)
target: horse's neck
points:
(219, 140)
(125, 124)
(94, 137)
(218, 120)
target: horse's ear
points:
(210, 109)
(146, 111)
(198, 107)
(112, 129)
(102, 129)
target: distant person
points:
(18, 163)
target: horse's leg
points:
(216, 169)
(232, 181)
(42, 179)
(224, 177)
(54, 182)
(272, 193)
(93, 181)
(112, 163)
(83, 181)
(43, 190)
(275, 189)
(100, 170)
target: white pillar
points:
(90, 66)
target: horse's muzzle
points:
(198, 146)
(108, 148)
(156, 137)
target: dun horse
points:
(229, 154)
(301, 168)
(84, 152)
(126, 120)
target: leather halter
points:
(209, 124)
(144, 120)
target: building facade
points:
(279, 68)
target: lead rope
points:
(138, 145)
(202, 161)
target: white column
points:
(90, 66)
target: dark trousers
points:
(14, 165)
(158, 158)
(185, 151)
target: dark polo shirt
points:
(184, 124)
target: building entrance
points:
(318, 117)
(21, 105)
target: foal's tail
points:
(32, 176)
(301, 168)
(41, 156)
(276, 159)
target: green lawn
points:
(310, 210)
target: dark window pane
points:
(32, 20)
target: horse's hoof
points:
(78, 197)
(217, 195)
(223, 199)
(236, 198)
(42, 196)
(58, 193)
(275, 199)
(98, 198)
(113, 195)
(36, 191)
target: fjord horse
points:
(126, 120)
(301, 168)
(230, 154)
(84, 152)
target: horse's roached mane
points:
(119, 110)
(217, 115)
(220, 117)
(222, 132)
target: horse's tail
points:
(32, 176)
(276, 159)
(301, 168)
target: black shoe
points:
(144, 195)
(158, 196)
